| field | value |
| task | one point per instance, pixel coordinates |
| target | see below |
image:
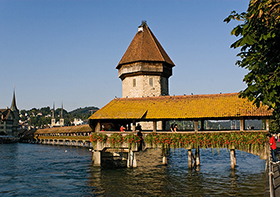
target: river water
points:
(45, 170)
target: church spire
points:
(53, 110)
(61, 121)
(14, 105)
(53, 117)
(61, 110)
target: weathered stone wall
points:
(144, 85)
(145, 67)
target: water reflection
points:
(44, 170)
(215, 176)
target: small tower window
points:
(151, 82)
(134, 82)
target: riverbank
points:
(4, 139)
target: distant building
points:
(59, 123)
(77, 122)
(9, 119)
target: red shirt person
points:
(272, 144)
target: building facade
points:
(9, 119)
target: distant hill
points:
(42, 117)
(85, 111)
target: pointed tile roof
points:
(211, 106)
(13, 105)
(145, 47)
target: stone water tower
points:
(145, 67)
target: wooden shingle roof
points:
(211, 106)
(70, 129)
(145, 47)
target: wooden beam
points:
(133, 126)
(232, 158)
(196, 125)
(190, 158)
(197, 157)
(267, 124)
(202, 124)
(154, 126)
(242, 124)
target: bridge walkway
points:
(276, 171)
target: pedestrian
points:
(272, 144)
(175, 128)
(138, 127)
(122, 128)
(172, 127)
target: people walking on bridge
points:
(175, 128)
(122, 128)
(272, 144)
(172, 127)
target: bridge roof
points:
(209, 106)
(70, 129)
(145, 47)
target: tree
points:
(259, 39)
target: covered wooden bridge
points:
(197, 108)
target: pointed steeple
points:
(61, 121)
(14, 105)
(53, 110)
(61, 111)
(145, 47)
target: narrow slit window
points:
(134, 82)
(151, 82)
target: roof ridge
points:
(212, 106)
(179, 96)
(160, 48)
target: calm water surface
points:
(44, 170)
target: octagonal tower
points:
(145, 67)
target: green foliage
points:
(115, 140)
(259, 42)
(95, 137)
(43, 120)
(83, 113)
(132, 140)
(239, 140)
(274, 125)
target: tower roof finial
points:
(143, 23)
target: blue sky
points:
(68, 50)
